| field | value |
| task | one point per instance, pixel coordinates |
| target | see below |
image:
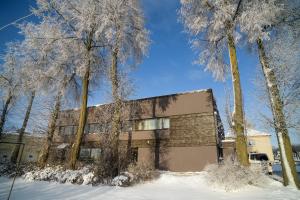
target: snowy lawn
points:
(173, 186)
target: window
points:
(90, 153)
(96, 128)
(126, 126)
(68, 130)
(95, 153)
(165, 122)
(152, 124)
(251, 143)
(134, 155)
(85, 153)
(259, 156)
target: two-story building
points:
(177, 132)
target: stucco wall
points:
(262, 144)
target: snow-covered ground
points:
(187, 186)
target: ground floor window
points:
(134, 154)
(89, 153)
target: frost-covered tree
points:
(10, 81)
(212, 25)
(56, 68)
(126, 38)
(260, 20)
(32, 60)
(82, 22)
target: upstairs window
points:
(152, 124)
(67, 130)
(96, 128)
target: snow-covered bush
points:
(123, 180)
(136, 173)
(231, 176)
(141, 172)
(59, 174)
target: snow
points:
(170, 185)
(250, 132)
(62, 146)
(285, 161)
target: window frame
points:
(163, 124)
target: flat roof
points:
(148, 98)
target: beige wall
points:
(262, 144)
(31, 149)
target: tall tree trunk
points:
(82, 119)
(15, 153)
(290, 176)
(116, 119)
(4, 113)
(44, 154)
(238, 113)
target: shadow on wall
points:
(149, 107)
(159, 148)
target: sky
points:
(169, 67)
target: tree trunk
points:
(238, 113)
(82, 119)
(15, 153)
(116, 119)
(43, 157)
(289, 172)
(4, 113)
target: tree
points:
(213, 23)
(257, 20)
(57, 73)
(126, 37)
(32, 60)
(9, 81)
(82, 22)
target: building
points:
(32, 146)
(177, 132)
(257, 142)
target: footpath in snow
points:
(173, 186)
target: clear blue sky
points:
(168, 67)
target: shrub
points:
(59, 174)
(231, 176)
(142, 172)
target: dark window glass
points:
(260, 157)
(134, 154)
(85, 153)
